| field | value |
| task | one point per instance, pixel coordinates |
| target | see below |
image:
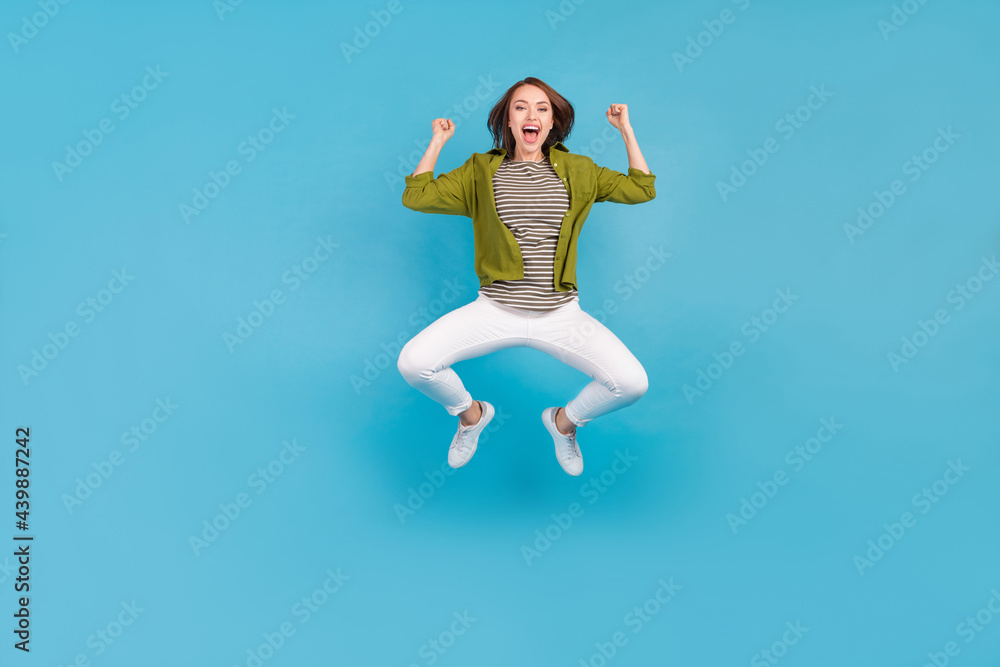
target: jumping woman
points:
(528, 197)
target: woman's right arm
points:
(443, 131)
(445, 194)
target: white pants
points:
(567, 333)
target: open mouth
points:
(530, 133)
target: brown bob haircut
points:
(562, 117)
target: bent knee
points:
(408, 363)
(412, 364)
(633, 384)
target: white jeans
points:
(567, 333)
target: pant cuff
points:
(569, 415)
(466, 404)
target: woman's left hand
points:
(618, 116)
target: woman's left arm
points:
(618, 116)
(635, 187)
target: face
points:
(530, 106)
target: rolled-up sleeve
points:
(635, 187)
(447, 194)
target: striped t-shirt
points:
(531, 201)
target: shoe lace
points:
(463, 443)
(574, 449)
(570, 448)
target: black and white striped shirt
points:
(531, 201)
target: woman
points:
(528, 197)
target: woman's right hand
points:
(443, 129)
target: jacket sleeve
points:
(448, 194)
(635, 187)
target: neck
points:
(524, 156)
(536, 156)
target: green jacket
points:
(468, 190)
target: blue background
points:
(334, 172)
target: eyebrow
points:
(525, 101)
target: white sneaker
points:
(463, 445)
(567, 451)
